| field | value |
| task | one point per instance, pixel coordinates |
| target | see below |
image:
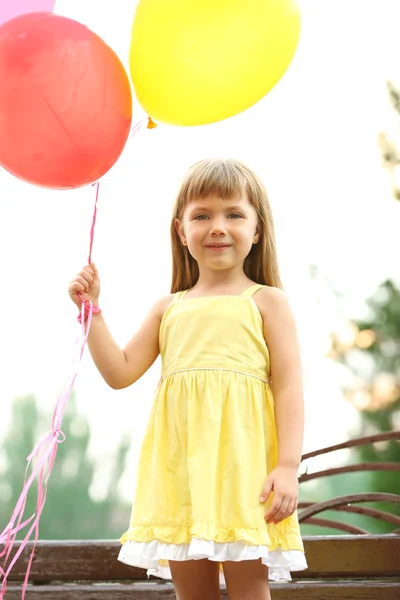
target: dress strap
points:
(252, 290)
(179, 295)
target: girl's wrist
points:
(289, 465)
(87, 304)
(95, 309)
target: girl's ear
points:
(180, 231)
(257, 234)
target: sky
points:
(314, 142)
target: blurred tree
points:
(371, 351)
(70, 511)
(390, 151)
(374, 358)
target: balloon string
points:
(134, 130)
(97, 186)
(42, 459)
(43, 456)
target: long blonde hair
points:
(227, 179)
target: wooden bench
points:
(362, 567)
(359, 566)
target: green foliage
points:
(374, 359)
(385, 352)
(70, 512)
(383, 412)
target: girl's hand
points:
(87, 284)
(284, 483)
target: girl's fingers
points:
(290, 509)
(81, 283)
(293, 507)
(276, 504)
(86, 275)
(286, 509)
(280, 514)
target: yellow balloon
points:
(194, 62)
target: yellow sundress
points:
(210, 443)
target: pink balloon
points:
(13, 8)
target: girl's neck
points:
(206, 286)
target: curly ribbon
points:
(43, 455)
(42, 459)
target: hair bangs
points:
(208, 178)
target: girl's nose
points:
(218, 227)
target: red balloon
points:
(65, 102)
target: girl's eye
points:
(202, 217)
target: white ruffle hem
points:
(146, 555)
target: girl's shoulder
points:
(163, 303)
(270, 300)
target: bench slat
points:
(300, 591)
(328, 557)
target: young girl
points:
(217, 484)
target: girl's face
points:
(219, 232)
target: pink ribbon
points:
(44, 454)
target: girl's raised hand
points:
(283, 482)
(87, 284)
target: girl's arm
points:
(287, 386)
(120, 368)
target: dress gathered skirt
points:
(210, 444)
